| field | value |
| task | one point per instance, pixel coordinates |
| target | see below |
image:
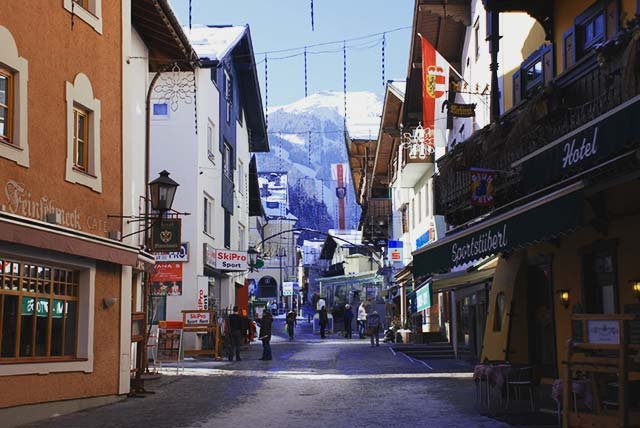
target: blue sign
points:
(396, 244)
(422, 240)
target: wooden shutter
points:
(517, 88)
(547, 64)
(569, 47)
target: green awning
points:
(544, 218)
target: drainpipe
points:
(494, 47)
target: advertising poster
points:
(167, 279)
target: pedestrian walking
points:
(348, 320)
(235, 328)
(265, 334)
(324, 319)
(291, 320)
(374, 325)
(362, 319)
(274, 308)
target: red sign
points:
(167, 279)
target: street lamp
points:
(163, 190)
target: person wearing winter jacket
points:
(348, 320)
(324, 320)
(374, 325)
(265, 334)
(362, 319)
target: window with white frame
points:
(90, 11)
(208, 214)
(83, 134)
(241, 178)
(211, 141)
(228, 94)
(227, 170)
(13, 101)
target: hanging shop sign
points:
(165, 235)
(423, 297)
(167, 279)
(588, 146)
(182, 255)
(396, 251)
(482, 186)
(227, 260)
(462, 110)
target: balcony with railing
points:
(603, 81)
(414, 158)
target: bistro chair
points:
(522, 379)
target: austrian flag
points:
(435, 81)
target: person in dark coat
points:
(374, 325)
(265, 334)
(324, 319)
(291, 321)
(348, 320)
(235, 328)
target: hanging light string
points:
(312, 23)
(266, 91)
(305, 73)
(344, 81)
(190, 15)
(309, 146)
(195, 100)
(384, 45)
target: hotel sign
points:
(165, 235)
(587, 147)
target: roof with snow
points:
(214, 42)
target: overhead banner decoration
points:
(435, 81)
(462, 110)
(167, 279)
(482, 187)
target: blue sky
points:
(284, 24)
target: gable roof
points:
(216, 44)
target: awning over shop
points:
(542, 219)
(484, 271)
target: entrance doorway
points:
(542, 337)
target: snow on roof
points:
(399, 85)
(363, 110)
(214, 42)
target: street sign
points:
(288, 288)
(395, 251)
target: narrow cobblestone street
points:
(310, 383)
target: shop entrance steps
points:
(436, 350)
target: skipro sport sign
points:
(228, 260)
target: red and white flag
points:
(435, 82)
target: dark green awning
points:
(542, 219)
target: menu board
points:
(169, 347)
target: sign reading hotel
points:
(227, 260)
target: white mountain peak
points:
(363, 110)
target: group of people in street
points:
(367, 323)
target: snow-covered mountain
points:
(306, 137)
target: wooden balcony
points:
(594, 86)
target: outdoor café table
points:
(579, 388)
(494, 375)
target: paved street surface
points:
(310, 383)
